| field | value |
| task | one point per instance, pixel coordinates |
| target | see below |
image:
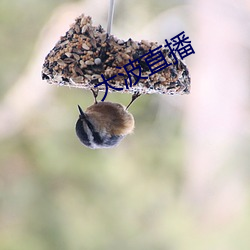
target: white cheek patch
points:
(89, 133)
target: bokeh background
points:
(180, 182)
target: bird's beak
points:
(82, 115)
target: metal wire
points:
(110, 15)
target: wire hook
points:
(110, 15)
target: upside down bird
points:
(104, 124)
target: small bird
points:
(104, 124)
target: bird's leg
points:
(95, 94)
(134, 97)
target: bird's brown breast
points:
(111, 117)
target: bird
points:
(104, 124)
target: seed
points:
(84, 28)
(154, 46)
(93, 43)
(95, 76)
(68, 54)
(83, 21)
(77, 29)
(78, 70)
(70, 32)
(125, 56)
(103, 37)
(69, 60)
(90, 52)
(88, 77)
(61, 62)
(98, 61)
(120, 42)
(128, 50)
(119, 59)
(145, 42)
(88, 62)
(77, 57)
(91, 33)
(77, 79)
(85, 46)
(135, 45)
(87, 71)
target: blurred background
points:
(180, 182)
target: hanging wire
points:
(110, 15)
